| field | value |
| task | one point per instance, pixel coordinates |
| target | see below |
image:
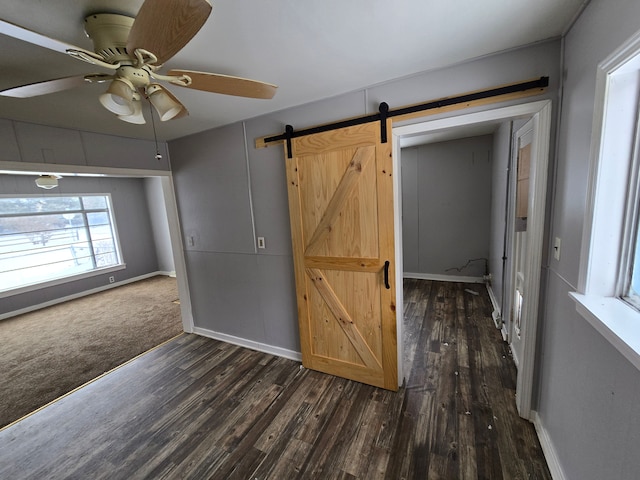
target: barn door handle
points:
(386, 275)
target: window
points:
(633, 291)
(630, 262)
(45, 238)
(609, 285)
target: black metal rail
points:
(384, 112)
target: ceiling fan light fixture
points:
(47, 181)
(119, 97)
(166, 106)
(136, 117)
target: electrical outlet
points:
(556, 248)
(112, 279)
(261, 242)
(191, 241)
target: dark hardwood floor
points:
(198, 408)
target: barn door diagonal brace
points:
(514, 90)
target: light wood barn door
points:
(341, 207)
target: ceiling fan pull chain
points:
(155, 135)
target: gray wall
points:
(588, 393)
(228, 192)
(234, 289)
(446, 207)
(31, 143)
(134, 231)
(159, 224)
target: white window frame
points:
(608, 230)
(630, 234)
(73, 277)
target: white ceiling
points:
(312, 49)
(453, 133)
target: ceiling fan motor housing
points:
(109, 33)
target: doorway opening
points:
(455, 127)
(151, 297)
(159, 192)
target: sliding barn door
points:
(341, 207)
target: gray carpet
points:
(49, 352)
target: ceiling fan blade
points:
(43, 88)
(20, 33)
(163, 27)
(227, 85)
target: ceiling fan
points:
(135, 49)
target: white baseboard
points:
(503, 331)
(56, 301)
(516, 361)
(496, 314)
(549, 451)
(243, 342)
(443, 278)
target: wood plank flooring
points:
(200, 409)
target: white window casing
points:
(609, 229)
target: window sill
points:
(614, 320)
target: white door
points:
(521, 168)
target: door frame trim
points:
(541, 112)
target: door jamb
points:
(179, 262)
(541, 112)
